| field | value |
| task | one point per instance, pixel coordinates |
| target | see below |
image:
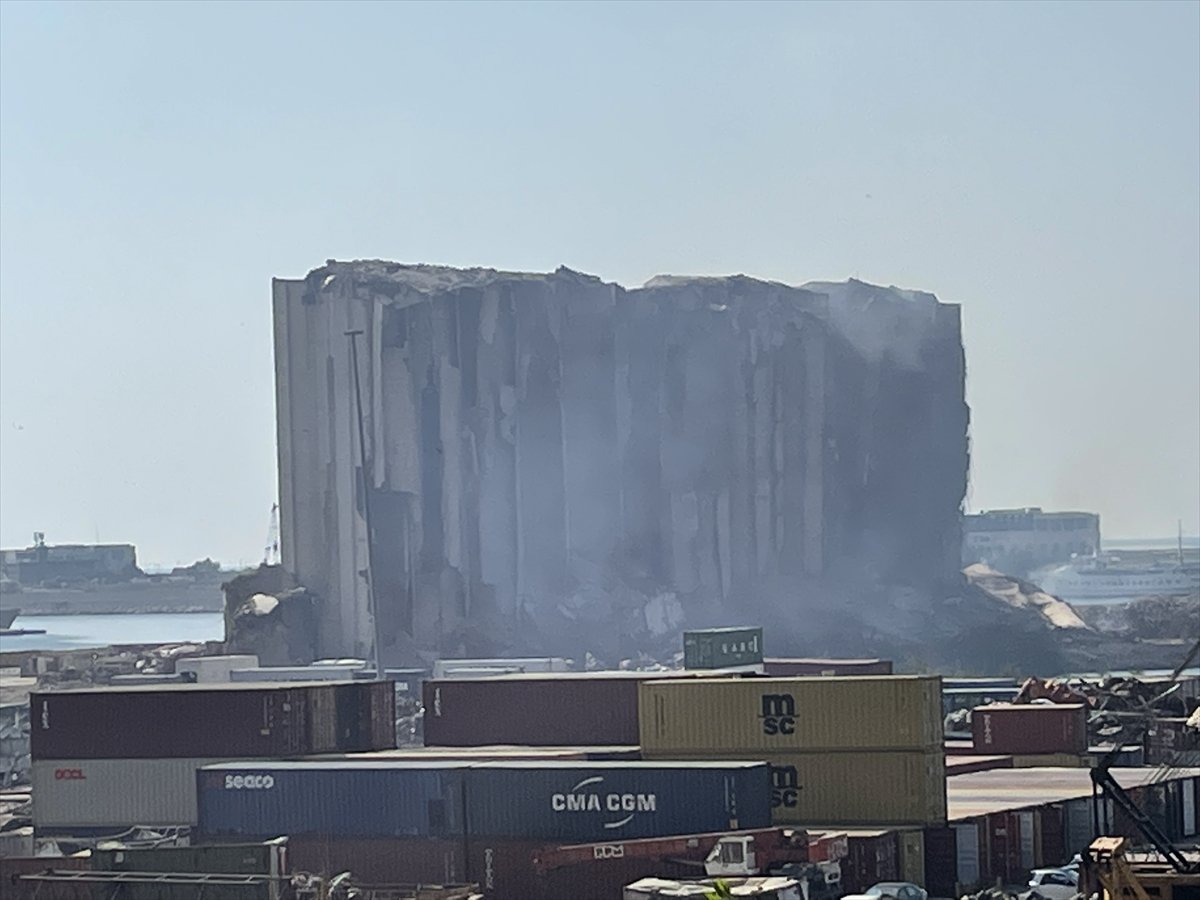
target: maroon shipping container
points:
(576, 709)
(13, 888)
(941, 862)
(1053, 835)
(1030, 728)
(392, 860)
(248, 720)
(786, 667)
(1004, 847)
(504, 870)
(872, 856)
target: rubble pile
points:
(556, 464)
(268, 616)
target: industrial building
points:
(1017, 541)
(555, 463)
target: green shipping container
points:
(260, 859)
(722, 648)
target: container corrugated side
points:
(1030, 728)
(573, 802)
(535, 711)
(791, 667)
(170, 722)
(380, 860)
(12, 888)
(146, 723)
(262, 799)
(117, 793)
(763, 715)
(859, 788)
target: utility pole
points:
(366, 501)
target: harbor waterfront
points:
(78, 631)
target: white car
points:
(1053, 884)
(892, 890)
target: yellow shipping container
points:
(856, 787)
(774, 715)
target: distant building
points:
(1017, 541)
(43, 564)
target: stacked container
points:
(842, 751)
(104, 760)
(1031, 728)
(454, 820)
(579, 709)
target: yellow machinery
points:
(1123, 879)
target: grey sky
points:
(1037, 163)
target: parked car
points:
(1053, 884)
(893, 890)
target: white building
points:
(1017, 541)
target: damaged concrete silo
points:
(559, 464)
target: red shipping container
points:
(504, 870)
(391, 860)
(1030, 728)
(567, 709)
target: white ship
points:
(1096, 578)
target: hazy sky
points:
(1037, 163)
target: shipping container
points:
(858, 788)
(12, 887)
(961, 765)
(114, 794)
(792, 667)
(214, 669)
(1052, 835)
(573, 709)
(577, 802)
(873, 856)
(489, 753)
(911, 848)
(1050, 761)
(722, 648)
(1030, 728)
(454, 668)
(755, 715)
(1168, 737)
(299, 674)
(503, 870)
(955, 698)
(215, 721)
(380, 860)
(967, 853)
(257, 799)
(267, 859)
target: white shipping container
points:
(215, 669)
(451, 668)
(966, 839)
(102, 793)
(292, 673)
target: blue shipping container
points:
(378, 799)
(570, 801)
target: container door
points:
(1025, 824)
(912, 856)
(1189, 806)
(1053, 844)
(940, 862)
(966, 840)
